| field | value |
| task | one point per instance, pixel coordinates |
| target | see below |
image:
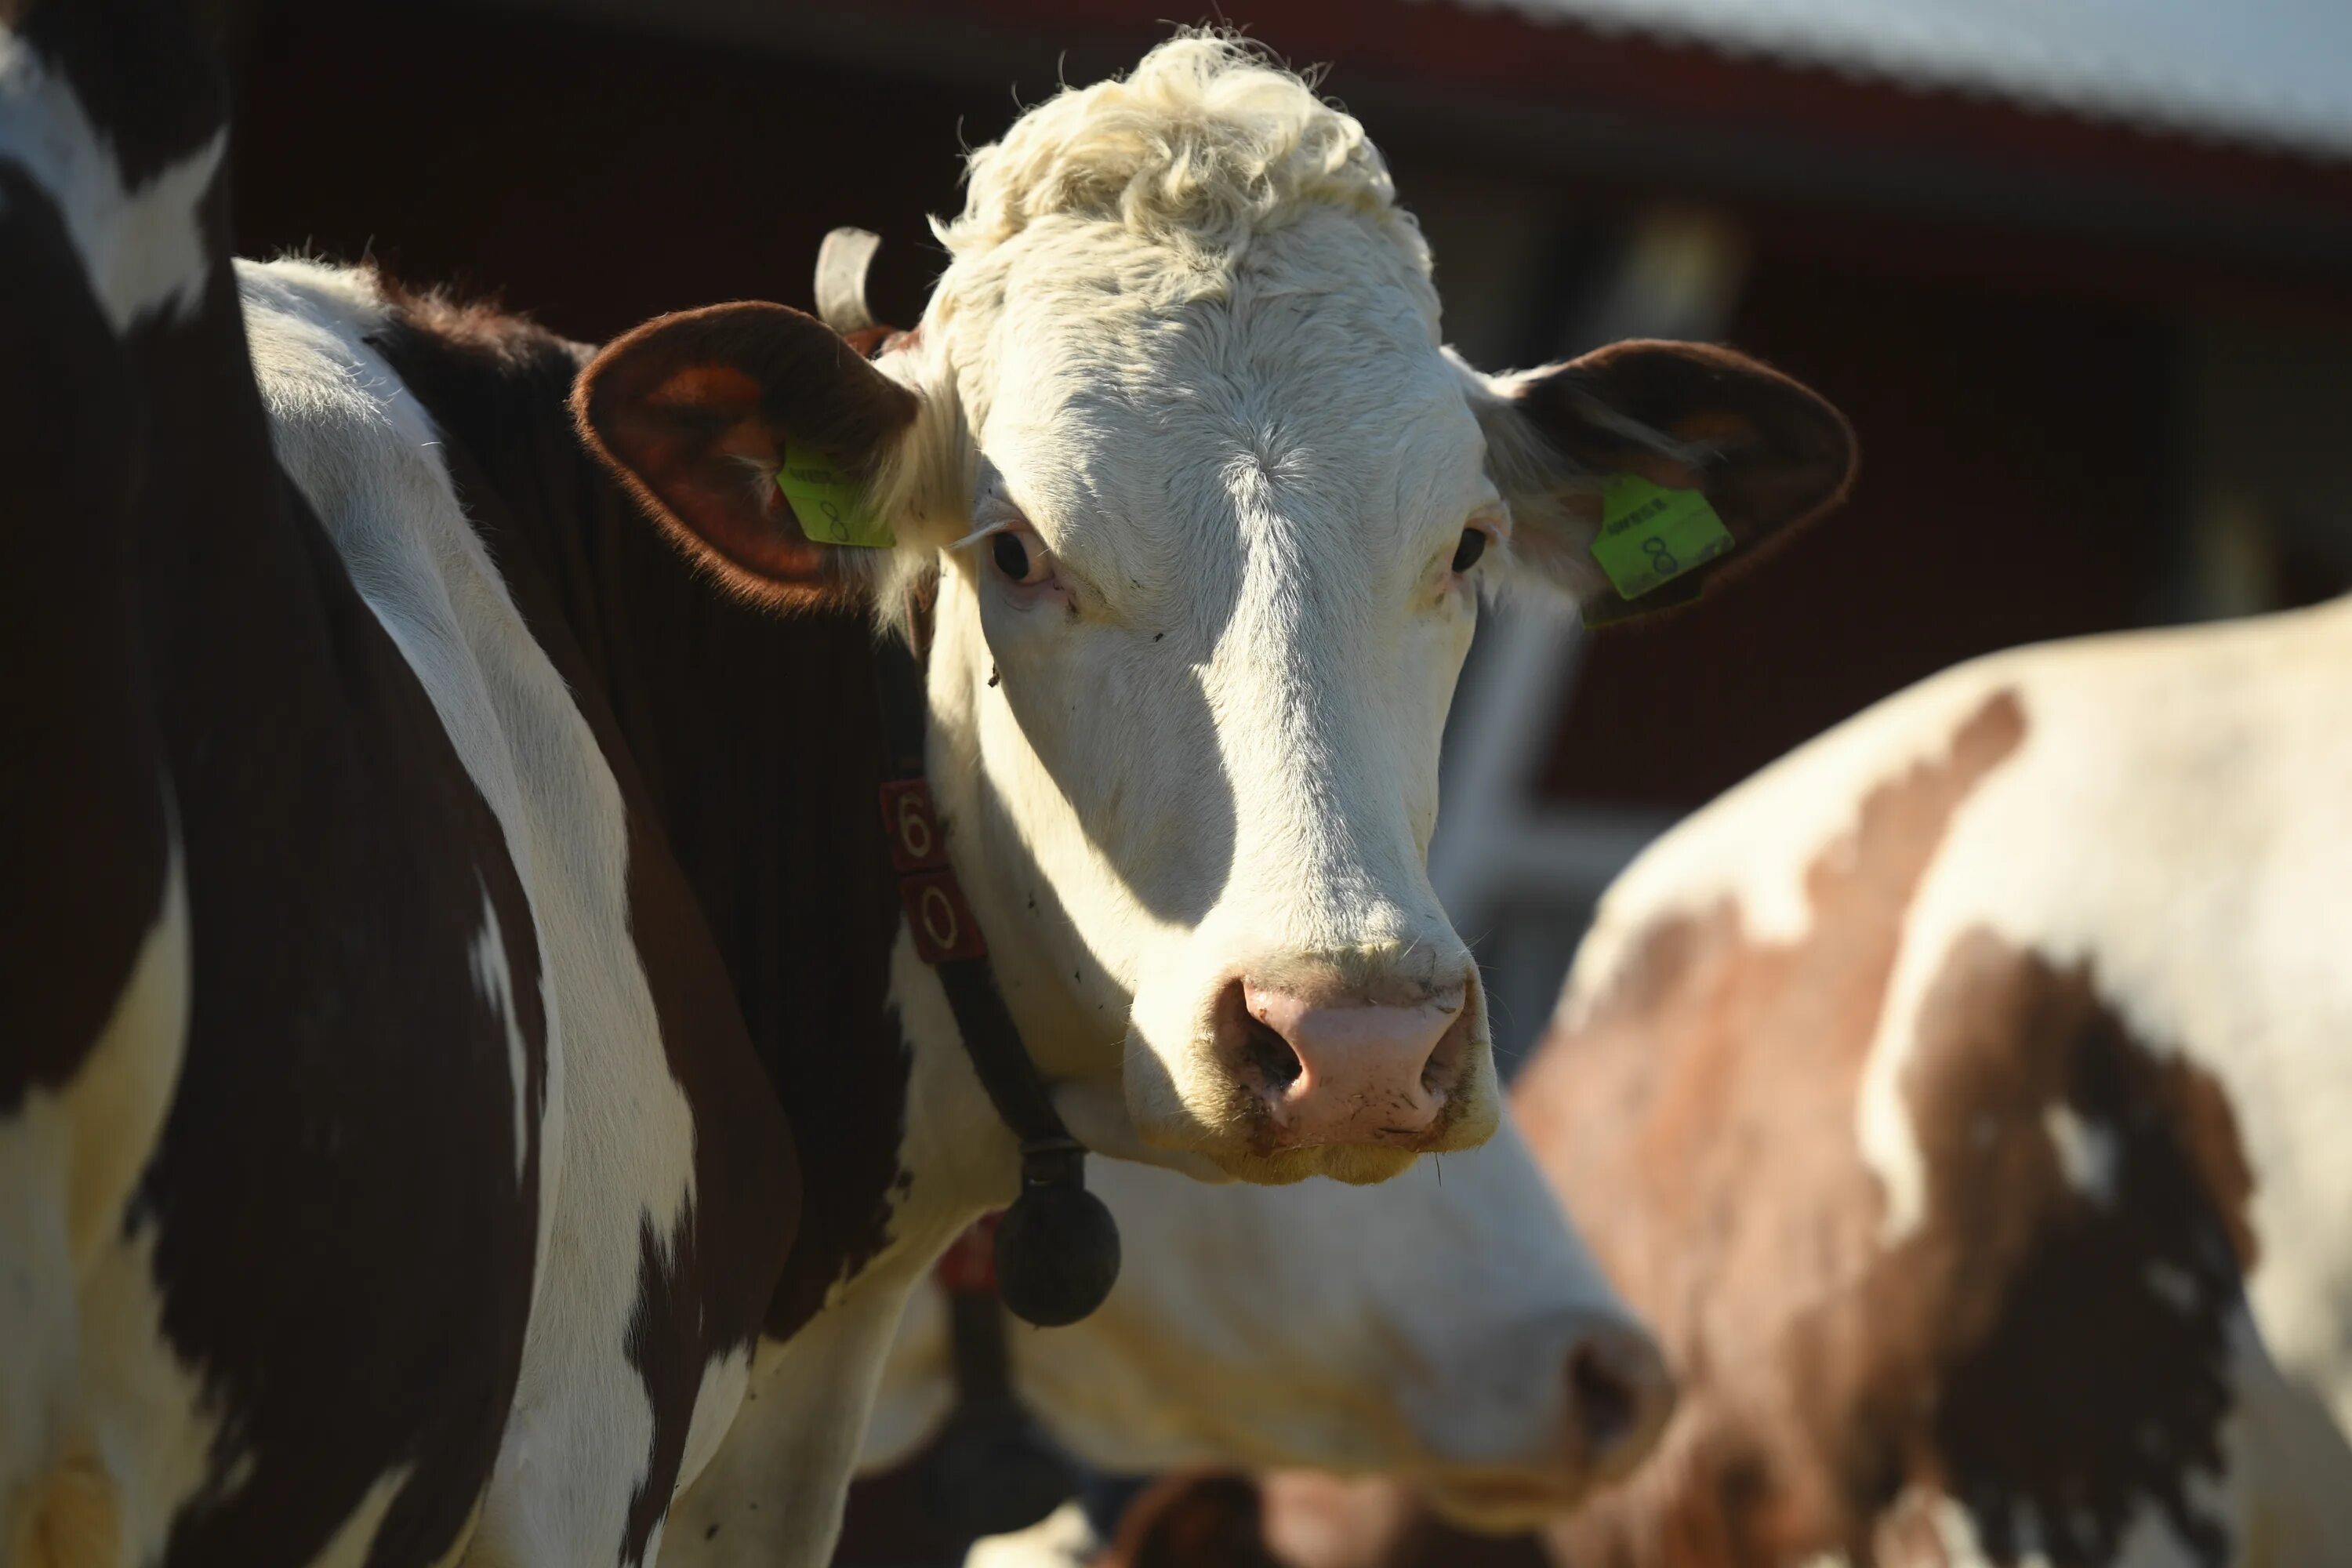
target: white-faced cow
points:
(405, 1149)
(1448, 1327)
(1963, 1099)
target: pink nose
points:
(1341, 1069)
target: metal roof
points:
(2274, 73)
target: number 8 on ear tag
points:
(830, 505)
(1650, 535)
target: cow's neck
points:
(754, 745)
(1071, 1030)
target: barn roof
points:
(2275, 74)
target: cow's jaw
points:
(1197, 777)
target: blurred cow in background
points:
(1448, 1327)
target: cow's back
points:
(1937, 1091)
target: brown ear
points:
(1769, 453)
(692, 413)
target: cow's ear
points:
(1631, 439)
(696, 414)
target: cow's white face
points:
(1192, 666)
(1207, 506)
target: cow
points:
(484, 1102)
(1961, 1085)
(1961, 1099)
(1447, 1327)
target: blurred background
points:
(2077, 269)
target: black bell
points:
(1057, 1245)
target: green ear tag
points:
(831, 505)
(1650, 535)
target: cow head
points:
(1207, 506)
(1454, 1331)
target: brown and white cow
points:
(1968, 1090)
(1963, 1098)
(407, 1146)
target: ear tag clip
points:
(1650, 535)
(830, 506)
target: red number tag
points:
(942, 921)
(913, 824)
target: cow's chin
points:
(1358, 1164)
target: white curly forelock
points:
(1166, 176)
(1207, 142)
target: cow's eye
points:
(1473, 545)
(1011, 556)
(1021, 556)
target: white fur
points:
(2086, 1150)
(1423, 1328)
(494, 978)
(144, 1413)
(2174, 819)
(1062, 1539)
(616, 1140)
(348, 1547)
(145, 248)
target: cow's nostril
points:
(1619, 1395)
(1268, 1054)
(1605, 1406)
(1252, 1049)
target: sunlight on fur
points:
(69, 1521)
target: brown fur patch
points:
(2075, 1342)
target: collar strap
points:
(1057, 1248)
(993, 1469)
